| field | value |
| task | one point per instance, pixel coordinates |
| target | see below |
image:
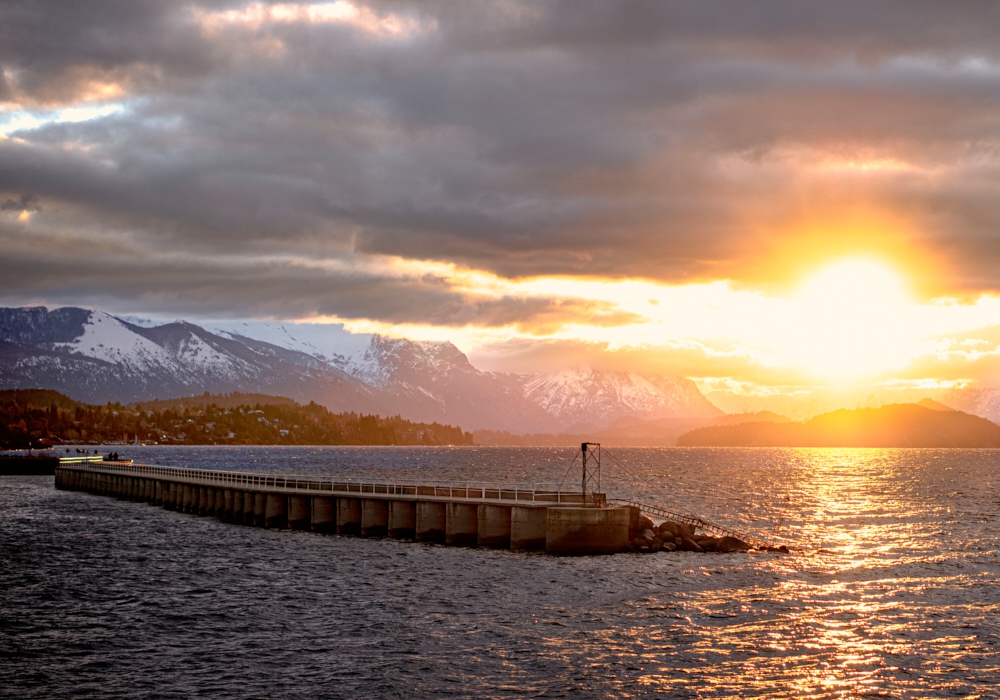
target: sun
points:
(853, 319)
(850, 286)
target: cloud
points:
(26, 202)
(670, 141)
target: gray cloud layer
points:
(673, 141)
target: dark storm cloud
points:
(110, 273)
(673, 141)
(26, 202)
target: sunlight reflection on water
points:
(893, 594)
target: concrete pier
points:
(461, 515)
(236, 513)
(586, 530)
(323, 514)
(432, 521)
(494, 526)
(348, 516)
(403, 520)
(276, 510)
(527, 528)
(248, 507)
(374, 518)
(462, 524)
(298, 512)
(259, 508)
(228, 503)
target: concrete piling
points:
(323, 517)
(586, 530)
(223, 501)
(402, 520)
(432, 521)
(374, 518)
(298, 512)
(248, 506)
(494, 526)
(236, 510)
(276, 511)
(527, 528)
(259, 508)
(461, 524)
(348, 516)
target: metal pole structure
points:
(592, 476)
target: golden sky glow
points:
(853, 319)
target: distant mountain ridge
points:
(95, 357)
(582, 396)
(895, 425)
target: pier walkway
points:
(515, 516)
(477, 492)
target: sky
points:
(765, 197)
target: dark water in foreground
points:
(895, 595)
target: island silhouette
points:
(924, 424)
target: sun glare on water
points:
(853, 318)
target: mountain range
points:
(95, 357)
(927, 424)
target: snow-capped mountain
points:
(94, 357)
(432, 381)
(590, 397)
(979, 401)
(327, 342)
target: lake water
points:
(894, 593)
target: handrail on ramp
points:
(706, 525)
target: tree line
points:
(40, 418)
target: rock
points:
(668, 547)
(647, 534)
(645, 523)
(731, 544)
(646, 546)
(676, 528)
(707, 543)
(689, 545)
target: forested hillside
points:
(38, 418)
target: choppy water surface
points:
(894, 595)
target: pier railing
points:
(538, 493)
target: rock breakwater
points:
(672, 536)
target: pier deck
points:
(515, 516)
